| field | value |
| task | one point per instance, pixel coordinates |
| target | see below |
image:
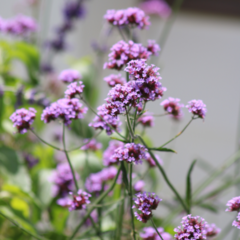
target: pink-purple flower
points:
(144, 203)
(212, 230)
(149, 233)
(139, 185)
(69, 76)
(197, 107)
(77, 202)
(74, 89)
(64, 109)
(153, 47)
(151, 162)
(233, 204)
(173, 107)
(115, 79)
(146, 120)
(23, 119)
(236, 223)
(193, 228)
(132, 17)
(91, 145)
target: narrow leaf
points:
(160, 149)
(209, 207)
(189, 187)
(118, 139)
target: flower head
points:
(173, 107)
(58, 44)
(192, 228)
(133, 17)
(30, 160)
(94, 183)
(139, 185)
(233, 204)
(130, 152)
(73, 89)
(122, 53)
(146, 79)
(23, 119)
(145, 203)
(113, 145)
(236, 223)
(146, 120)
(79, 201)
(65, 109)
(73, 10)
(153, 47)
(69, 76)
(92, 145)
(151, 162)
(212, 230)
(149, 233)
(197, 107)
(105, 121)
(63, 180)
(114, 79)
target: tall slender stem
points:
(98, 231)
(154, 226)
(121, 33)
(165, 175)
(130, 200)
(68, 159)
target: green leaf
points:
(189, 186)
(119, 139)
(59, 217)
(20, 205)
(209, 207)
(160, 149)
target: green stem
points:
(98, 231)
(129, 126)
(120, 31)
(165, 176)
(23, 229)
(99, 199)
(154, 226)
(68, 159)
(131, 197)
(178, 133)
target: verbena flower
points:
(95, 181)
(73, 10)
(236, 223)
(173, 107)
(197, 107)
(23, 119)
(233, 204)
(139, 185)
(156, 7)
(69, 76)
(144, 203)
(122, 53)
(30, 160)
(151, 162)
(192, 228)
(153, 47)
(64, 109)
(92, 145)
(115, 79)
(133, 17)
(105, 121)
(130, 152)
(149, 233)
(113, 145)
(73, 89)
(57, 44)
(146, 120)
(212, 230)
(79, 201)
(146, 79)
(62, 180)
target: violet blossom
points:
(30, 160)
(236, 223)
(233, 204)
(91, 145)
(69, 76)
(73, 10)
(115, 79)
(145, 203)
(197, 107)
(212, 230)
(139, 185)
(173, 107)
(149, 233)
(23, 119)
(153, 47)
(150, 160)
(146, 120)
(73, 89)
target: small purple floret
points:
(173, 107)
(92, 145)
(69, 76)
(197, 107)
(233, 204)
(212, 230)
(149, 233)
(74, 89)
(115, 79)
(146, 120)
(236, 223)
(153, 47)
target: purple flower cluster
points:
(91, 145)
(23, 119)
(173, 107)
(73, 89)
(133, 17)
(69, 76)
(20, 25)
(153, 47)
(30, 160)
(145, 203)
(139, 185)
(236, 223)
(156, 7)
(65, 109)
(115, 79)
(73, 10)
(78, 201)
(63, 180)
(197, 107)
(193, 228)
(151, 162)
(146, 120)
(212, 230)
(94, 183)
(233, 205)
(149, 233)
(104, 121)
(122, 53)
(146, 79)
(107, 155)
(130, 152)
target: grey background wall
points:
(200, 60)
